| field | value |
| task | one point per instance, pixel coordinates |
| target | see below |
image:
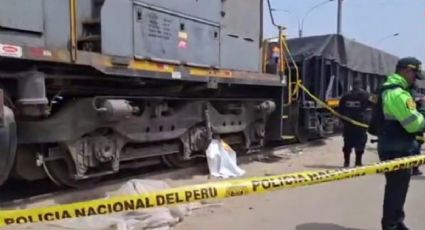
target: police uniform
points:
(418, 99)
(396, 138)
(354, 105)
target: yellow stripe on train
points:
(332, 102)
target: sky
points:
(371, 22)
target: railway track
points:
(17, 194)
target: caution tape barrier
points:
(202, 192)
(352, 121)
(335, 113)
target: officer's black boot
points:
(389, 227)
(359, 155)
(416, 171)
(399, 226)
(402, 226)
(347, 158)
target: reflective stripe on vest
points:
(407, 121)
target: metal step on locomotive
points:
(91, 87)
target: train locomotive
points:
(91, 87)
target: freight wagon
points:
(327, 65)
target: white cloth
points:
(222, 160)
(151, 218)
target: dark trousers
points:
(356, 139)
(417, 152)
(395, 196)
(397, 184)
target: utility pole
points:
(301, 22)
(339, 16)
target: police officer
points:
(354, 105)
(396, 136)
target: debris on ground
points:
(296, 150)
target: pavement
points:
(354, 204)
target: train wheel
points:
(301, 135)
(8, 144)
(60, 172)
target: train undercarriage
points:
(76, 130)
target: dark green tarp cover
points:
(348, 53)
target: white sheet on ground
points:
(152, 218)
(222, 160)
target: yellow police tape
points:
(352, 121)
(209, 191)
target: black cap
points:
(411, 63)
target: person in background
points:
(354, 105)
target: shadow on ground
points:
(323, 166)
(316, 143)
(321, 226)
(266, 159)
(372, 149)
(418, 177)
